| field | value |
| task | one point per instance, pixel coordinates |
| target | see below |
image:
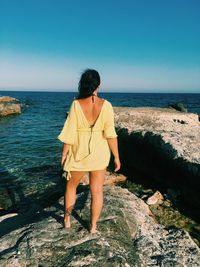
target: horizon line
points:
(118, 92)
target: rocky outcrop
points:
(128, 235)
(163, 145)
(8, 106)
(160, 144)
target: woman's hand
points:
(64, 153)
(117, 164)
(63, 159)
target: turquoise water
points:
(29, 146)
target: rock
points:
(178, 106)
(127, 236)
(157, 198)
(167, 203)
(148, 191)
(8, 106)
(7, 99)
(163, 145)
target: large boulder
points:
(128, 235)
(163, 145)
(9, 105)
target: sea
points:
(28, 142)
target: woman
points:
(88, 136)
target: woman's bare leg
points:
(70, 194)
(96, 188)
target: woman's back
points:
(91, 110)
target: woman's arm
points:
(68, 134)
(113, 145)
(65, 150)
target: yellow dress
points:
(89, 148)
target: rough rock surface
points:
(8, 106)
(128, 236)
(162, 143)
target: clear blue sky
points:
(136, 45)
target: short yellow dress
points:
(89, 149)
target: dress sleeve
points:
(109, 125)
(69, 130)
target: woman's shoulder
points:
(72, 104)
(103, 100)
(108, 103)
(74, 101)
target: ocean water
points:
(29, 145)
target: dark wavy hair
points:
(89, 81)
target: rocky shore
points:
(128, 235)
(159, 147)
(9, 106)
(162, 144)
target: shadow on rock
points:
(148, 160)
(34, 209)
(28, 206)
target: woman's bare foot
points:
(67, 223)
(93, 229)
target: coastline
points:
(164, 132)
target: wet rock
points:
(9, 105)
(163, 145)
(127, 236)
